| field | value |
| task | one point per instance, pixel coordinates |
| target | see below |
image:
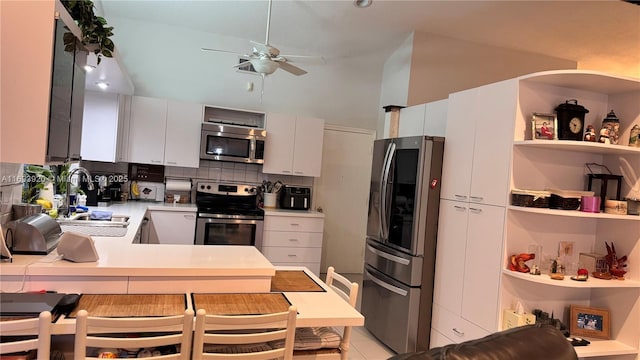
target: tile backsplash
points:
(10, 189)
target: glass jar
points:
(611, 127)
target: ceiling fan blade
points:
(291, 68)
(223, 51)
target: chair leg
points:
(346, 343)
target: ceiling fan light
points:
(362, 3)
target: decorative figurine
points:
(557, 272)
(634, 137)
(590, 134)
(612, 123)
(615, 264)
(518, 262)
(604, 136)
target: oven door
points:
(215, 229)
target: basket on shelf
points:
(530, 198)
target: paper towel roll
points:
(178, 185)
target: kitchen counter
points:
(287, 212)
(143, 268)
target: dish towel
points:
(100, 215)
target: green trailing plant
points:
(95, 32)
(35, 179)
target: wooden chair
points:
(347, 290)
(231, 336)
(40, 326)
(102, 332)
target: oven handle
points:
(231, 217)
(393, 289)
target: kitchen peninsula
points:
(125, 267)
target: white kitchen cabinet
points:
(560, 164)
(424, 119)
(164, 132)
(477, 150)
(468, 259)
(38, 86)
(105, 126)
(147, 129)
(293, 145)
(182, 140)
(172, 227)
(293, 240)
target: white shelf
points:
(591, 283)
(573, 213)
(604, 348)
(585, 80)
(580, 146)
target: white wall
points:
(343, 91)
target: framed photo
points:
(589, 322)
(543, 127)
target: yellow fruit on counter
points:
(46, 204)
(134, 188)
(53, 213)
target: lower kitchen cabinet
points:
(172, 227)
(468, 268)
(293, 240)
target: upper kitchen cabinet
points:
(424, 119)
(293, 145)
(42, 85)
(164, 132)
(105, 127)
(477, 151)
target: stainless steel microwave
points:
(232, 143)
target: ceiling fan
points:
(265, 58)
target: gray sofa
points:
(531, 342)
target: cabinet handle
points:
(461, 197)
(286, 171)
(293, 224)
(460, 207)
(458, 332)
(293, 240)
(475, 210)
(298, 172)
(156, 161)
(171, 162)
(476, 198)
(189, 217)
(292, 255)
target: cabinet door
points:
(435, 118)
(494, 109)
(411, 121)
(172, 227)
(450, 248)
(307, 152)
(458, 146)
(147, 130)
(100, 126)
(482, 265)
(278, 152)
(124, 117)
(182, 141)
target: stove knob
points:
(208, 187)
(202, 187)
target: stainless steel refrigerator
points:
(397, 291)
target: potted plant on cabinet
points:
(95, 32)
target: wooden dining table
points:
(316, 303)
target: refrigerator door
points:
(392, 317)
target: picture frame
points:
(590, 322)
(544, 127)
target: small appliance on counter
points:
(35, 235)
(295, 198)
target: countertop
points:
(118, 256)
(287, 212)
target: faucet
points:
(68, 181)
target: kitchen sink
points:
(82, 223)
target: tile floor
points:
(364, 346)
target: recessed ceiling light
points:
(362, 3)
(102, 85)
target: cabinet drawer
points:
(292, 255)
(292, 223)
(292, 239)
(438, 340)
(454, 327)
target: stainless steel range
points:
(228, 215)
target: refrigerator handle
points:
(382, 254)
(383, 193)
(393, 289)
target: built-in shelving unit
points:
(546, 164)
